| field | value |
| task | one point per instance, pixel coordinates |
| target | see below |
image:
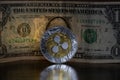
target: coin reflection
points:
(58, 72)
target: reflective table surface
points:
(44, 70)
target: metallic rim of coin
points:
(55, 70)
(71, 46)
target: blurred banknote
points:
(96, 26)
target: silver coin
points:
(59, 72)
(58, 44)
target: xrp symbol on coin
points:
(58, 44)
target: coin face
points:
(59, 72)
(58, 44)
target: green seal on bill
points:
(90, 36)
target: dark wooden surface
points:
(31, 70)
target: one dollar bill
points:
(96, 26)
